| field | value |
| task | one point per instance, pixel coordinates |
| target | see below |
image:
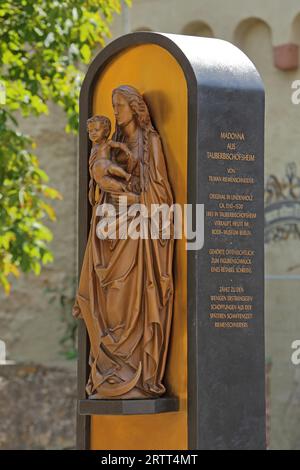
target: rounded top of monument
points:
(206, 62)
(214, 61)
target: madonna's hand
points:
(131, 198)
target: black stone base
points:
(128, 407)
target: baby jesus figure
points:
(109, 176)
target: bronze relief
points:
(125, 293)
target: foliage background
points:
(44, 46)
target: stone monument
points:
(171, 334)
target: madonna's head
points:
(128, 104)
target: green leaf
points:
(85, 53)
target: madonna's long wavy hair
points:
(142, 116)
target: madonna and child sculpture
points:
(125, 293)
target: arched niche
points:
(141, 28)
(198, 28)
(254, 37)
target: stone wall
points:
(30, 325)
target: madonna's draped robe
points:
(125, 295)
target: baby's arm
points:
(107, 183)
(129, 158)
(121, 146)
(116, 170)
(111, 185)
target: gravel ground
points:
(37, 407)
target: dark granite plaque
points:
(230, 267)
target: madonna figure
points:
(125, 293)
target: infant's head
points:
(99, 128)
